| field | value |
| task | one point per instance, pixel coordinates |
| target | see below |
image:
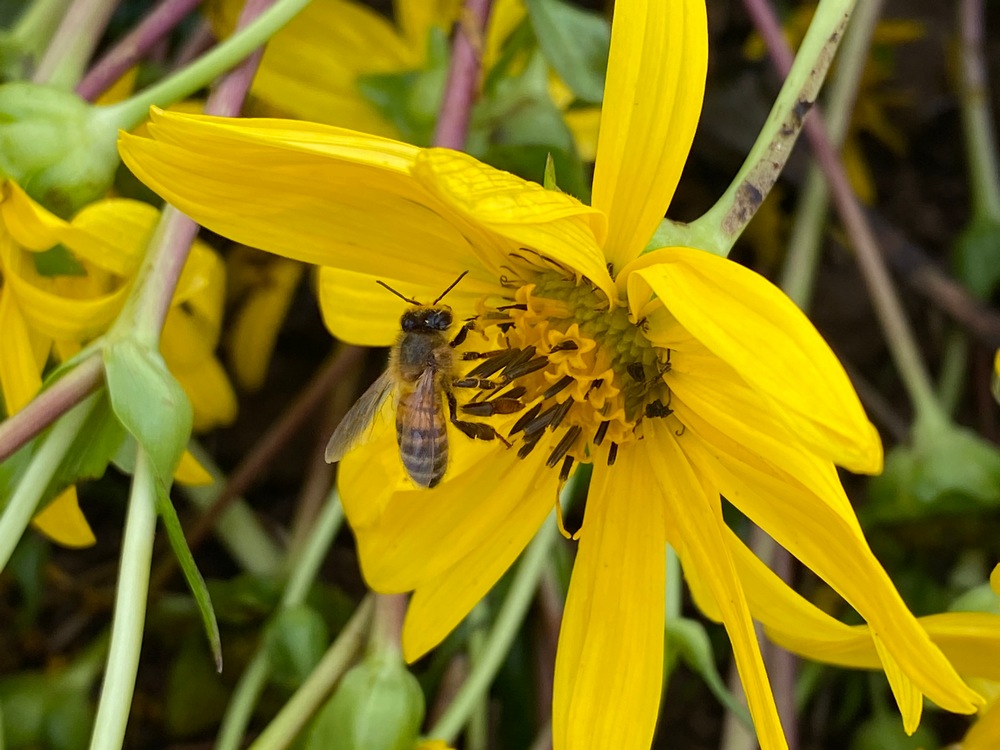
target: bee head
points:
(436, 318)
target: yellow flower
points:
(312, 68)
(678, 374)
(52, 314)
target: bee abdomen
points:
(423, 442)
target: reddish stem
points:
(463, 77)
(133, 46)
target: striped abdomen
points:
(422, 433)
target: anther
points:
(561, 411)
(612, 454)
(513, 372)
(515, 392)
(657, 409)
(563, 446)
(557, 386)
(515, 306)
(566, 468)
(525, 418)
(636, 371)
(520, 357)
(488, 367)
(496, 406)
(528, 445)
(565, 346)
(602, 430)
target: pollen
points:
(580, 364)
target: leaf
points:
(976, 257)
(296, 639)
(576, 44)
(191, 573)
(149, 403)
(688, 639)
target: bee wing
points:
(422, 433)
(358, 418)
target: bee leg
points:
(463, 332)
(474, 430)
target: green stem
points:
(505, 629)
(954, 370)
(237, 529)
(74, 42)
(130, 610)
(295, 714)
(204, 70)
(24, 502)
(303, 573)
(799, 274)
(719, 228)
(34, 29)
(477, 731)
(674, 594)
(977, 120)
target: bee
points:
(420, 377)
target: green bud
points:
(377, 706)
(60, 149)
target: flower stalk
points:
(74, 42)
(130, 610)
(463, 76)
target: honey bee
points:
(420, 377)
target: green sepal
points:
(295, 641)
(57, 261)
(688, 641)
(150, 404)
(946, 470)
(976, 257)
(576, 44)
(175, 534)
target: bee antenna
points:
(405, 299)
(441, 296)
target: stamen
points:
(515, 306)
(513, 372)
(564, 346)
(558, 386)
(561, 411)
(566, 468)
(522, 356)
(486, 368)
(515, 392)
(602, 430)
(563, 446)
(525, 418)
(612, 454)
(636, 371)
(528, 445)
(496, 406)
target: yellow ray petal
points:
(909, 699)
(750, 324)
(694, 512)
(337, 200)
(709, 395)
(359, 311)
(31, 225)
(63, 522)
(439, 605)
(827, 544)
(112, 234)
(652, 101)
(609, 664)
(192, 473)
(20, 371)
(519, 213)
(212, 397)
(254, 328)
(416, 17)
(985, 733)
(406, 536)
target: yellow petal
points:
(609, 664)
(407, 536)
(828, 545)
(694, 513)
(359, 311)
(750, 324)
(509, 213)
(31, 225)
(909, 699)
(312, 193)
(63, 522)
(438, 606)
(20, 371)
(985, 733)
(652, 101)
(192, 473)
(112, 234)
(212, 397)
(416, 17)
(254, 328)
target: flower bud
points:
(56, 146)
(377, 706)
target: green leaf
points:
(687, 639)
(191, 574)
(549, 178)
(946, 471)
(295, 640)
(196, 695)
(576, 44)
(976, 257)
(149, 403)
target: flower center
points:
(582, 367)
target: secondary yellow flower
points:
(63, 283)
(679, 375)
